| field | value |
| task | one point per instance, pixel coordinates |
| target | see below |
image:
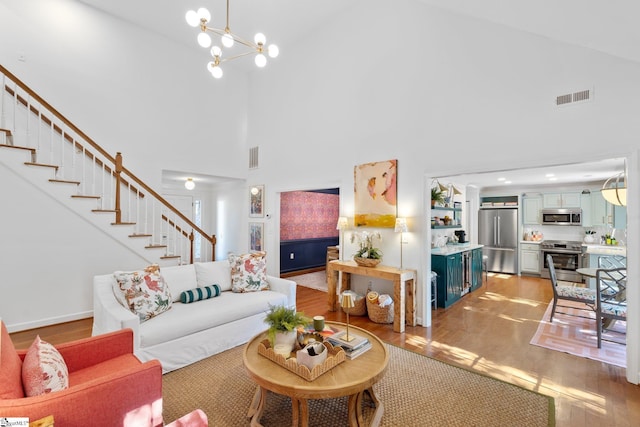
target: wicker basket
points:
(379, 314)
(359, 308)
(366, 262)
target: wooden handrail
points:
(47, 121)
(116, 162)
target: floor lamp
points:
(401, 227)
(342, 225)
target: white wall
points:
(444, 94)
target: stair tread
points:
(140, 235)
(81, 196)
(123, 223)
(64, 181)
(104, 210)
(18, 147)
(41, 165)
(155, 246)
(170, 256)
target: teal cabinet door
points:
(449, 279)
(476, 268)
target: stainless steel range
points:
(567, 258)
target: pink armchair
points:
(108, 385)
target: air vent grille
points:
(253, 157)
(572, 98)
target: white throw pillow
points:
(214, 273)
(145, 292)
(248, 272)
(179, 278)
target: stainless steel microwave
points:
(562, 216)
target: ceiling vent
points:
(575, 97)
(253, 158)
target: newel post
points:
(117, 195)
(213, 247)
(191, 238)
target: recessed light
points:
(501, 179)
(507, 182)
(553, 178)
(549, 175)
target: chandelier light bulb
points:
(261, 60)
(204, 40)
(216, 51)
(227, 40)
(273, 50)
(260, 39)
(204, 14)
(216, 72)
(192, 18)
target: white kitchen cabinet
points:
(531, 210)
(601, 211)
(561, 200)
(529, 258)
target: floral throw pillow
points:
(248, 272)
(43, 370)
(145, 293)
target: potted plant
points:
(437, 196)
(283, 324)
(367, 254)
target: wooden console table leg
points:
(332, 282)
(399, 307)
(410, 288)
(377, 415)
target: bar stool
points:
(485, 258)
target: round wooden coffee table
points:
(351, 378)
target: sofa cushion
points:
(44, 369)
(145, 292)
(186, 319)
(214, 273)
(248, 272)
(180, 278)
(10, 367)
(199, 293)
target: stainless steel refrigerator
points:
(498, 232)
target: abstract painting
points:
(375, 190)
(256, 230)
(256, 201)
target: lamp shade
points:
(401, 225)
(346, 300)
(342, 224)
(613, 192)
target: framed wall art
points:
(256, 232)
(375, 191)
(256, 201)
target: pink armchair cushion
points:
(195, 418)
(43, 369)
(10, 368)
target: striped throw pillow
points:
(198, 294)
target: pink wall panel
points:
(308, 215)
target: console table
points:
(404, 288)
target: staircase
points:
(44, 148)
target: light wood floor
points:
(488, 331)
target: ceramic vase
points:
(286, 338)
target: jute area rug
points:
(577, 336)
(416, 391)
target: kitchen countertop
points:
(605, 249)
(454, 249)
(535, 242)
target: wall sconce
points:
(189, 184)
(342, 225)
(347, 303)
(401, 227)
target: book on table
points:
(352, 354)
(355, 343)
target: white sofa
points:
(187, 333)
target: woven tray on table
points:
(379, 314)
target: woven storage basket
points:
(366, 262)
(359, 308)
(379, 314)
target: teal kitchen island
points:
(459, 270)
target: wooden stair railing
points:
(117, 170)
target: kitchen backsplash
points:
(555, 232)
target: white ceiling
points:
(606, 26)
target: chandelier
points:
(202, 17)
